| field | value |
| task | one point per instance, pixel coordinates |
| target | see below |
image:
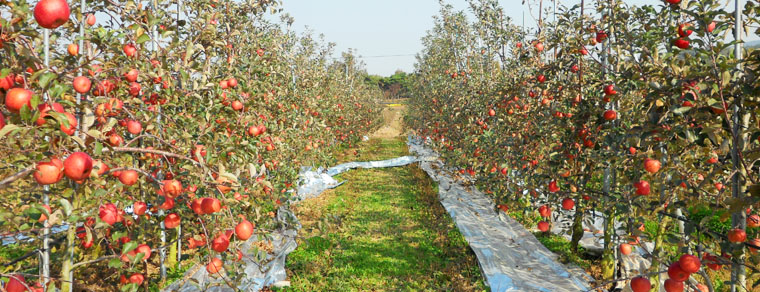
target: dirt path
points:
(393, 122)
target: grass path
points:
(383, 230)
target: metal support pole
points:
(46, 189)
(162, 251)
(738, 32)
(738, 272)
(156, 88)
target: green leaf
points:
(89, 119)
(129, 246)
(111, 122)
(61, 118)
(143, 38)
(26, 113)
(682, 110)
(35, 100)
(46, 78)
(34, 213)
(116, 235)
(98, 148)
(67, 208)
(99, 193)
(726, 77)
(114, 263)
(78, 140)
(7, 129)
(130, 287)
(95, 134)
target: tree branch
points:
(19, 175)
(152, 151)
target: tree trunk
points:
(657, 252)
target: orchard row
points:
(138, 127)
(646, 114)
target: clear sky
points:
(390, 27)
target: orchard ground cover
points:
(383, 230)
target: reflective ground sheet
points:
(512, 259)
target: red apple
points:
(244, 230)
(131, 75)
(689, 263)
(128, 177)
(210, 205)
(625, 249)
(73, 49)
(82, 84)
(568, 204)
(90, 19)
(652, 165)
(77, 166)
(672, 285)
(675, 272)
(136, 278)
(109, 214)
(681, 43)
(553, 187)
(130, 50)
(545, 211)
(72, 128)
(737, 235)
(43, 216)
(171, 188)
(172, 221)
(711, 27)
(610, 89)
(753, 221)
(220, 243)
(684, 30)
(16, 284)
(51, 14)
(16, 98)
(134, 127)
(642, 187)
(139, 208)
(145, 250)
(543, 226)
(539, 46)
(755, 242)
(49, 172)
(640, 284)
(214, 266)
(610, 115)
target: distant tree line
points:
(394, 86)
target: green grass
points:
(374, 149)
(561, 246)
(383, 230)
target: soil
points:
(393, 125)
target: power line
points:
(386, 56)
